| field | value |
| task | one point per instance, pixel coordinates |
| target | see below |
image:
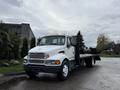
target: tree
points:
(116, 49)
(15, 40)
(80, 41)
(102, 42)
(110, 47)
(9, 43)
(24, 50)
(5, 44)
(79, 47)
(33, 43)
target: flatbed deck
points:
(87, 55)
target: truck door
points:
(69, 49)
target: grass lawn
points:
(105, 55)
(11, 69)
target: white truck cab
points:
(53, 55)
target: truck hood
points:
(46, 49)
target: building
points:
(22, 30)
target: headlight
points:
(54, 62)
(46, 56)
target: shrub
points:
(24, 49)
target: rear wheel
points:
(64, 71)
(31, 74)
(89, 62)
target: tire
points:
(64, 71)
(31, 74)
(89, 63)
(82, 62)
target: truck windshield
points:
(52, 40)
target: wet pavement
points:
(105, 75)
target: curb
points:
(13, 74)
(6, 78)
(9, 79)
(1, 75)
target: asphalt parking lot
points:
(105, 75)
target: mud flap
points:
(97, 57)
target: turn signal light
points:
(57, 62)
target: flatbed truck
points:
(58, 54)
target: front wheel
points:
(64, 71)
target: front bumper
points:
(42, 68)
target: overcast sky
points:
(91, 17)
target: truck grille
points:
(37, 55)
(36, 61)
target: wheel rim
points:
(65, 70)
